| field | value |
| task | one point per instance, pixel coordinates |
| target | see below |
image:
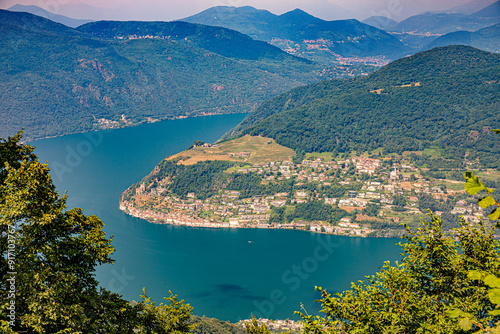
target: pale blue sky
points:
(176, 9)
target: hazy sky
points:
(175, 9)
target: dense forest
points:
(445, 98)
(57, 80)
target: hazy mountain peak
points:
(381, 22)
(471, 7)
(492, 10)
(33, 22)
(300, 16)
(35, 10)
(297, 27)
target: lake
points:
(224, 273)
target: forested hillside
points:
(446, 97)
(487, 39)
(226, 42)
(302, 34)
(55, 80)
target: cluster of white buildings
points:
(276, 325)
(228, 209)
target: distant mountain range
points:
(381, 22)
(471, 7)
(443, 23)
(487, 39)
(56, 80)
(226, 42)
(35, 10)
(445, 97)
(492, 10)
(36, 23)
(456, 26)
(302, 34)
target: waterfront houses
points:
(395, 189)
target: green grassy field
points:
(247, 149)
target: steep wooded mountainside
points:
(302, 34)
(56, 80)
(446, 97)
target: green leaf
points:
(494, 312)
(486, 202)
(495, 214)
(492, 281)
(472, 183)
(494, 296)
(465, 324)
(455, 313)
(475, 274)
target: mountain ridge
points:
(226, 42)
(401, 107)
(329, 38)
(55, 80)
(443, 23)
(492, 10)
(487, 39)
(381, 22)
(36, 23)
(35, 10)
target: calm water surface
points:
(223, 273)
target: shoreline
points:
(133, 125)
(177, 219)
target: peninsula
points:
(253, 182)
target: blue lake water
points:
(223, 273)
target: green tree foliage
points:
(255, 328)
(204, 179)
(473, 186)
(48, 258)
(416, 294)
(13, 154)
(317, 210)
(251, 185)
(299, 156)
(206, 325)
(168, 318)
(466, 320)
(428, 202)
(372, 209)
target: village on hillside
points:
(380, 194)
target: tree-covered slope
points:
(35, 10)
(36, 23)
(55, 80)
(445, 97)
(342, 37)
(487, 39)
(223, 41)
